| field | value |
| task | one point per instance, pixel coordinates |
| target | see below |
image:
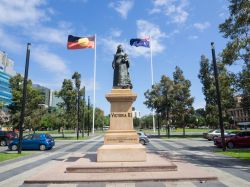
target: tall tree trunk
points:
(168, 124)
(63, 131)
(158, 124)
(184, 133)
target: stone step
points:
(119, 169)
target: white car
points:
(143, 139)
(215, 133)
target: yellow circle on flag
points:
(83, 41)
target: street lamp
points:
(218, 97)
(24, 98)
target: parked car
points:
(237, 139)
(143, 139)
(34, 141)
(6, 137)
(210, 135)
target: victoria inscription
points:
(121, 115)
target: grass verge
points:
(7, 156)
(181, 136)
(236, 153)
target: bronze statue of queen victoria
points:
(120, 65)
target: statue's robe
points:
(121, 76)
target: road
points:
(230, 171)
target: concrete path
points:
(230, 172)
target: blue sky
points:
(181, 32)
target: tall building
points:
(136, 113)
(49, 97)
(240, 117)
(6, 72)
(54, 100)
(45, 93)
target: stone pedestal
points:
(121, 142)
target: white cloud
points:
(10, 43)
(116, 32)
(54, 84)
(171, 34)
(50, 35)
(174, 9)
(50, 61)
(30, 16)
(202, 26)
(193, 37)
(89, 84)
(122, 7)
(144, 29)
(22, 12)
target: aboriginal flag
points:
(140, 42)
(75, 42)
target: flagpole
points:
(152, 76)
(93, 118)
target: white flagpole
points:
(93, 118)
(152, 76)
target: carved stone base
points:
(121, 153)
(121, 142)
(119, 137)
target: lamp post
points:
(24, 98)
(88, 115)
(218, 97)
(83, 114)
(77, 78)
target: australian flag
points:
(140, 42)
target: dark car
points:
(34, 141)
(237, 139)
(6, 137)
(143, 139)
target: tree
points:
(153, 98)
(226, 79)
(200, 115)
(68, 95)
(167, 90)
(182, 100)
(244, 85)
(160, 98)
(99, 118)
(207, 79)
(34, 98)
(236, 29)
(4, 117)
(53, 119)
(146, 122)
(77, 78)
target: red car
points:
(6, 137)
(239, 139)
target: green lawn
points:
(163, 131)
(237, 153)
(65, 132)
(56, 132)
(8, 156)
(181, 136)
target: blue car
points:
(34, 141)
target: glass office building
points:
(5, 92)
(6, 72)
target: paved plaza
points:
(230, 171)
